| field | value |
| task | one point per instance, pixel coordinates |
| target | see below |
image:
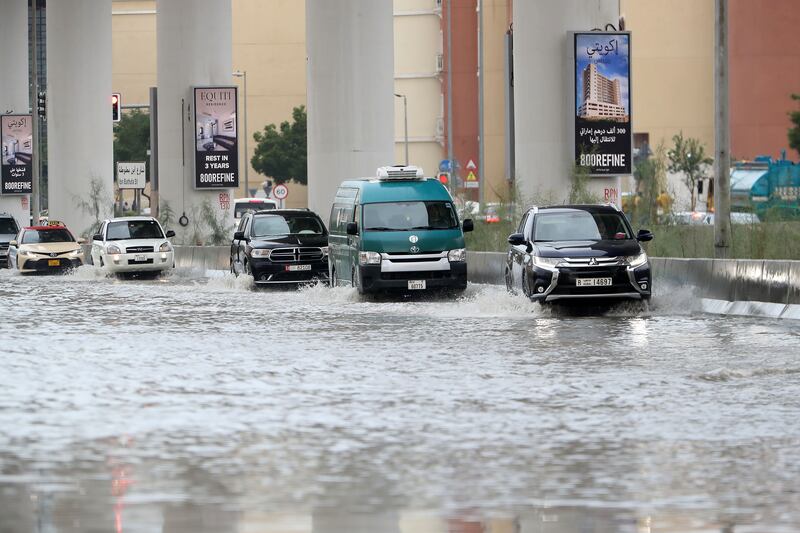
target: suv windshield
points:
(134, 229)
(44, 236)
(406, 216)
(8, 226)
(579, 225)
(269, 225)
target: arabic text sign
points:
(216, 144)
(131, 175)
(603, 131)
(16, 162)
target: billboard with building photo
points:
(216, 147)
(16, 166)
(602, 102)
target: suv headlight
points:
(459, 255)
(369, 258)
(165, 247)
(325, 251)
(636, 260)
(545, 262)
(261, 252)
(113, 249)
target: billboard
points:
(216, 144)
(16, 166)
(603, 131)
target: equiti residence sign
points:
(216, 146)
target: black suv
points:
(578, 252)
(8, 232)
(281, 246)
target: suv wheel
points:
(509, 282)
(334, 278)
(527, 290)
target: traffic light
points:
(41, 104)
(444, 177)
(116, 107)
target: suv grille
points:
(300, 254)
(138, 249)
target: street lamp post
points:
(405, 120)
(243, 74)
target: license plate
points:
(593, 282)
(295, 268)
(416, 285)
(140, 257)
(53, 262)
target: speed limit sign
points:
(280, 192)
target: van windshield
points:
(406, 216)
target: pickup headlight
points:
(261, 252)
(459, 255)
(369, 258)
(545, 262)
(113, 249)
(165, 247)
(636, 260)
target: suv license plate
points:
(416, 285)
(295, 268)
(593, 282)
(140, 257)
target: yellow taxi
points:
(50, 248)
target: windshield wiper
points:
(382, 228)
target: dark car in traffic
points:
(281, 247)
(578, 252)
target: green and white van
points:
(397, 231)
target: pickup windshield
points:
(409, 216)
(579, 225)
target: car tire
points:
(247, 268)
(334, 278)
(509, 282)
(527, 290)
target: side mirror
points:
(81, 240)
(97, 237)
(13, 243)
(170, 233)
(516, 239)
(352, 228)
(644, 235)
(238, 236)
(468, 225)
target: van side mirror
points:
(170, 233)
(516, 239)
(644, 235)
(97, 237)
(13, 243)
(352, 228)
(468, 225)
(238, 236)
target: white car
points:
(133, 244)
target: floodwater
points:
(194, 403)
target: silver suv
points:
(8, 232)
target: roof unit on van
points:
(400, 173)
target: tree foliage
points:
(132, 137)
(794, 132)
(280, 154)
(688, 157)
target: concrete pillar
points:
(350, 93)
(79, 128)
(543, 85)
(14, 84)
(194, 49)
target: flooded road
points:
(197, 404)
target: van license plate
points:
(416, 285)
(593, 282)
(295, 268)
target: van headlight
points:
(459, 255)
(636, 260)
(113, 249)
(165, 247)
(545, 262)
(369, 258)
(261, 252)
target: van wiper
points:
(381, 228)
(424, 227)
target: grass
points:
(769, 240)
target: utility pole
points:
(722, 185)
(405, 119)
(453, 170)
(35, 207)
(481, 145)
(154, 152)
(243, 74)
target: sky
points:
(614, 64)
